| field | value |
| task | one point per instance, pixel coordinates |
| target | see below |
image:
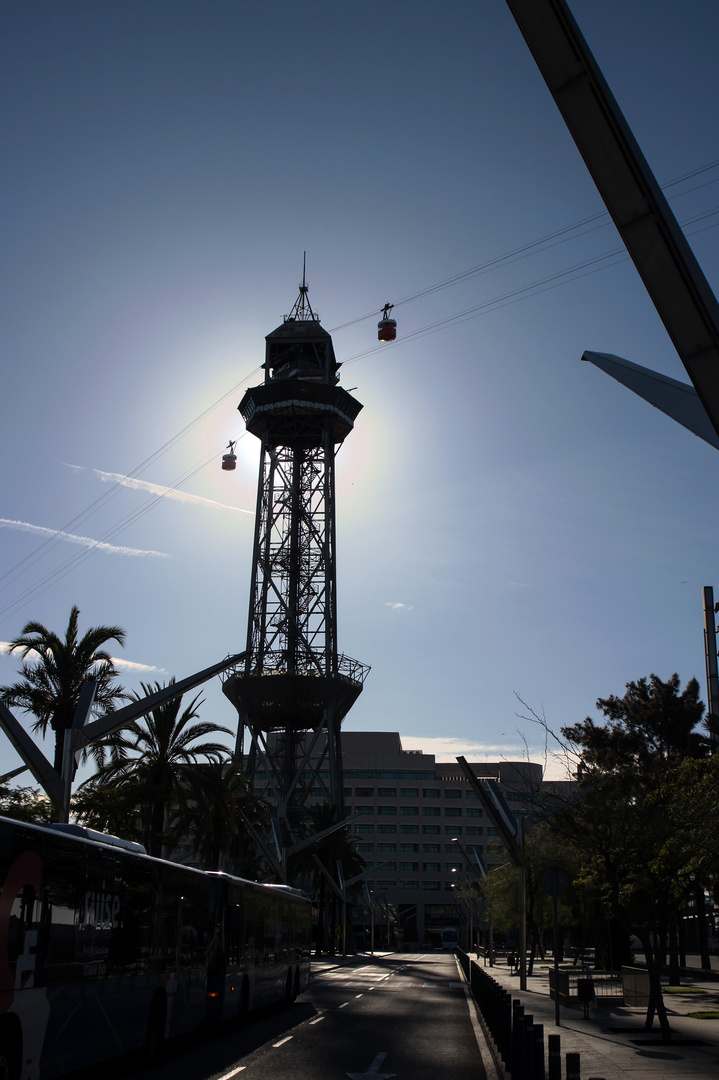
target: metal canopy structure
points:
(676, 399)
(651, 233)
(81, 734)
(295, 688)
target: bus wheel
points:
(155, 1034)
(244, 1003)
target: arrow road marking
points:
(373, 1072)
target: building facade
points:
(411, 816)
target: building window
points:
(431, 867)
(472, 811)
(453, 811)
(409, 792)
(385, 886)
(409, 866)
(409, 847)
(409, 828)
(409, 811)
(450, 866)
(364, 792)
(431, 886)
(365, 847)
(431, 792)
(448, 886)
(387, 828)
(365, 828)
(450, 849)
(409, 886)
(471, 795)
(474, 830)
(387, 811)
(385, 867)
(430, 830)
(366, 810)
(386, 847)
(452, 793)
(453, 830)
(492, 832)
(430, 811)
(430, 848)
(387, 792)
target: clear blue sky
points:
(510, 520)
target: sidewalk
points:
(613, 1043)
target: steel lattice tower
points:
(294, 688)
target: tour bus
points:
(104, 949)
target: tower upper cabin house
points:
(295, 687)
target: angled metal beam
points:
(33, 757)
(667, 266)
(113, 721)
(676, 399)
(497, 811)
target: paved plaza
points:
(613, 1043)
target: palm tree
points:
(158, 758)
(218, 830)
(51, 685)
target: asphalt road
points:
(403, 1016)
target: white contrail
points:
(160, 489)
(84, 541)
(118, 661)
(131, 666)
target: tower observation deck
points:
(295, 688)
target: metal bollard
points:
(539, 1051)
(528, 1048)
(554, 1044)
(573, 1068)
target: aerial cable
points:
(602, 218)
(43, 548)
(551, 281)
(553, 239)
(61, 571)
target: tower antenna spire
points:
(302, 311)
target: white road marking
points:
(373, 1072)
(226, 1076)
(317, 1020)
(343, 1005)
(358, 995)
(283, 1041)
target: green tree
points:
(643, 842)
(50, 685)
(109, 808)
(26, 804)
(156, 761)
(652, 727)
(218, 829)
